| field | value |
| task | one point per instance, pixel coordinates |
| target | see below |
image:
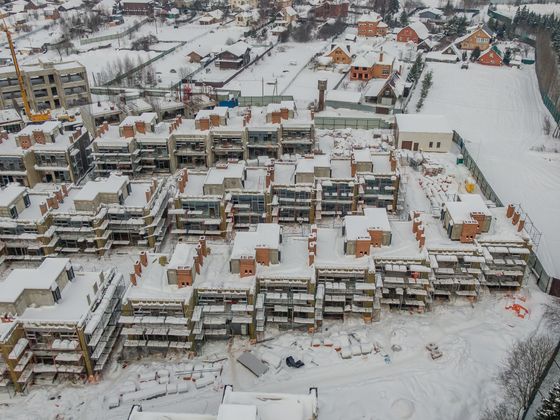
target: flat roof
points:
(373, 218)
(267, 235)
(423, 123)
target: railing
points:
(544, 280)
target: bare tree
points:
(503, 411)
(522, 370)
(547, 125)
(551, 315)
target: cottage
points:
(415, 32)
(491, 57)
(428, 133)
(372, 25)
(340, 54)
(372, 65)
(385, 94)
(234, 56)
(211, 17)
(480, 38)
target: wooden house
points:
(415, 32)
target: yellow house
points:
(340, 54)
(478, 38)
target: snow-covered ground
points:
(387, 384)
(499, 112)
(541, 9)
(282, 66)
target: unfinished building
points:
(58, 322)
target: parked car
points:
(465, 65)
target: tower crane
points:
(33, 117)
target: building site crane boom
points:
(33, 117)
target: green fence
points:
(263, 100)
(349, 122)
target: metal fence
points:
(544, 280)
(263, 100)
(349, 122)
(118, 35)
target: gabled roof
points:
(370, 17)
(376, 86)
(494, 49)
(452, 49)
(420, 29)
(432, 10)
(480, 28)
(343, 47)
(237, 49)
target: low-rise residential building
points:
(340, 54)
(372, 25)
(427, 133)
(44, 153)
(372, 65)
(138, 7)
(58, 321)
(10, 121)
(234, 56)
(491, 57)
(415, 32)
(47, 85)
(479, 38)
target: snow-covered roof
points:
(460, 211)
(370, 18)
(344, 96)
(432, 10)
(10, 193)
(9, 115)
(266, 236)
(217, 174)
(373, 218)
(42, 277)
(371, 58)
(183, 255)
(423, 123)
(475, 30)
(111, 185)
(420, 29)
(237, 49)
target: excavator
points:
(33, 117)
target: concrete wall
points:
(424, 139)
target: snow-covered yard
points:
(282, 66)
(500, 114)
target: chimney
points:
(267, 179)
(144, 258)
(4, 135)
(197, 264)
(510, 210)
(199, 253)
(148, 195)
(106, 125)
(24, 141)
(415, 223)
(521, 225)
(322, 86)
(180, 118)
(138, 268)
(381, 55)
(516, 217)
(181, 185)
(140, 127)
(39, 136)
(133, 279)
(393, 162)
(419, 232)
(52, 202)
(202, 242)
(43, 207)
(422, 241)
(312, 114)
(128, 131)
(310, 258)
(59, 196)
(64, 190)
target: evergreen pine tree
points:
(403, 19)
(550, 408)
